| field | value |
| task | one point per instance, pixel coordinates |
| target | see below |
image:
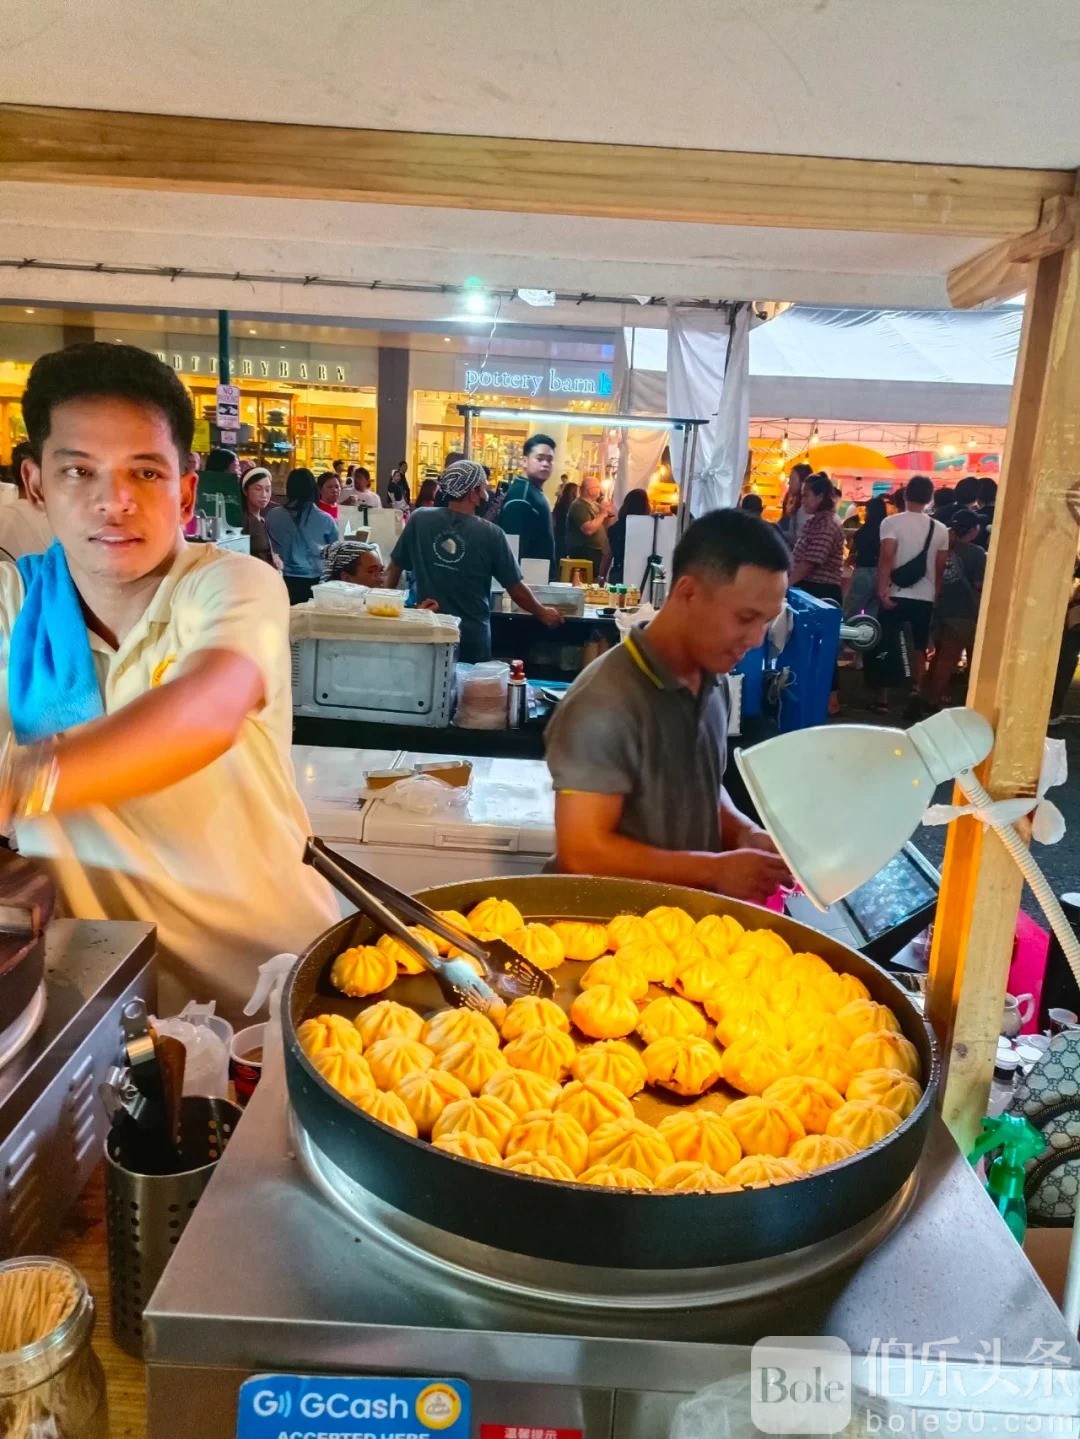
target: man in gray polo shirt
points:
(637, 748)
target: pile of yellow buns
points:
(666, 1002)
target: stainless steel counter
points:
(269, 1276)
(52, 1123)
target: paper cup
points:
(246, 1060)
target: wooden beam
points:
(174, 152)
(1003, 270)
(1032, 554)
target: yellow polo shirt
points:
(214, 861)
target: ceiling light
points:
(251, 332)
(446, 339)
(29, 312)
(476, 302)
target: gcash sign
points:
(582, 381)
(304, 1406)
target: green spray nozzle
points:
(1018, 1141)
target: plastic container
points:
(55, 1386)
(385, 604)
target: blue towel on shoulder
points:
(52, 683)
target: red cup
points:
(246, 1061)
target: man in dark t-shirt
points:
(956, 608)
(453, 557)
(525, 511)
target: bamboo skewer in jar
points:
(48, 1373)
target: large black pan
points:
(581, 1224)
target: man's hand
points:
(748, 874)
(886, 602)
(550, 617)
(428, 605)
(754, 837)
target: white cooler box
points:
(391, 671)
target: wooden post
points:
(1032, 554)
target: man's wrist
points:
(28, 778)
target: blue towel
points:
(52, 683)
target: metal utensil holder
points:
(147, 1213)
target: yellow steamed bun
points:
(604, 1012)
(451, 1026)
(751, 1065)
(458, 922)
(328, 1031)
(592, 1103)
(581, 940)
(532, 1012)
(668, 1016)
(537, 942)
(885, 1051)
(655, 960)
(688, 1177)
(426, 1093)
(522, 1090)
(539, 1166)
(817, 1059)
(701, 1136)
(486, 1117)
(363, 970)
(682, 1063)
(387, 1109)
(719, 933)
(674, 926)
(545, 1051)
(469, 1146)
(767, 943)
(386, 1019)
(863, 1016)
(821, 1027)
(630, 1144)
(471, 1062)
(818, 1150)
(757, 1171)
(751, 1020)
(545, 1132)
(837, 990)
(628, 928)
(742, 960)
(731, 993)
(891, 1087)
(344, 1070)
(619, 973)
(407, 962)
(809, 968)
(613, 1062)
(495, 916)
(697, 972)
(862, 1122)
(763, 1126)
(610, 1176)
(392, 1059)
(814, 1101)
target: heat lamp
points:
(840, 801)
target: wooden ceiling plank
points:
(156, 152)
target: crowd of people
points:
(914, 558)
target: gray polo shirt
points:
(627, 726)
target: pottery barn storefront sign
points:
(316, 372)
(532, 381)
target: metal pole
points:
(467, 442)
(224, 371)
(686, 479)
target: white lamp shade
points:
(841, 800)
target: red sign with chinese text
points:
(527, 1431)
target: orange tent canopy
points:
(842, 456)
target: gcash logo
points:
(800, 1385)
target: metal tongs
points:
(507, 974)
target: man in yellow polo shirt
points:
(148, 690)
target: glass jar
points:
(56, 1385)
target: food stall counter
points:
(273, 1275)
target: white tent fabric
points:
(641, 392)
(708, 379)
(893, 366)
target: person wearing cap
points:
(257, 489)
(454, 555)
(359, 562)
